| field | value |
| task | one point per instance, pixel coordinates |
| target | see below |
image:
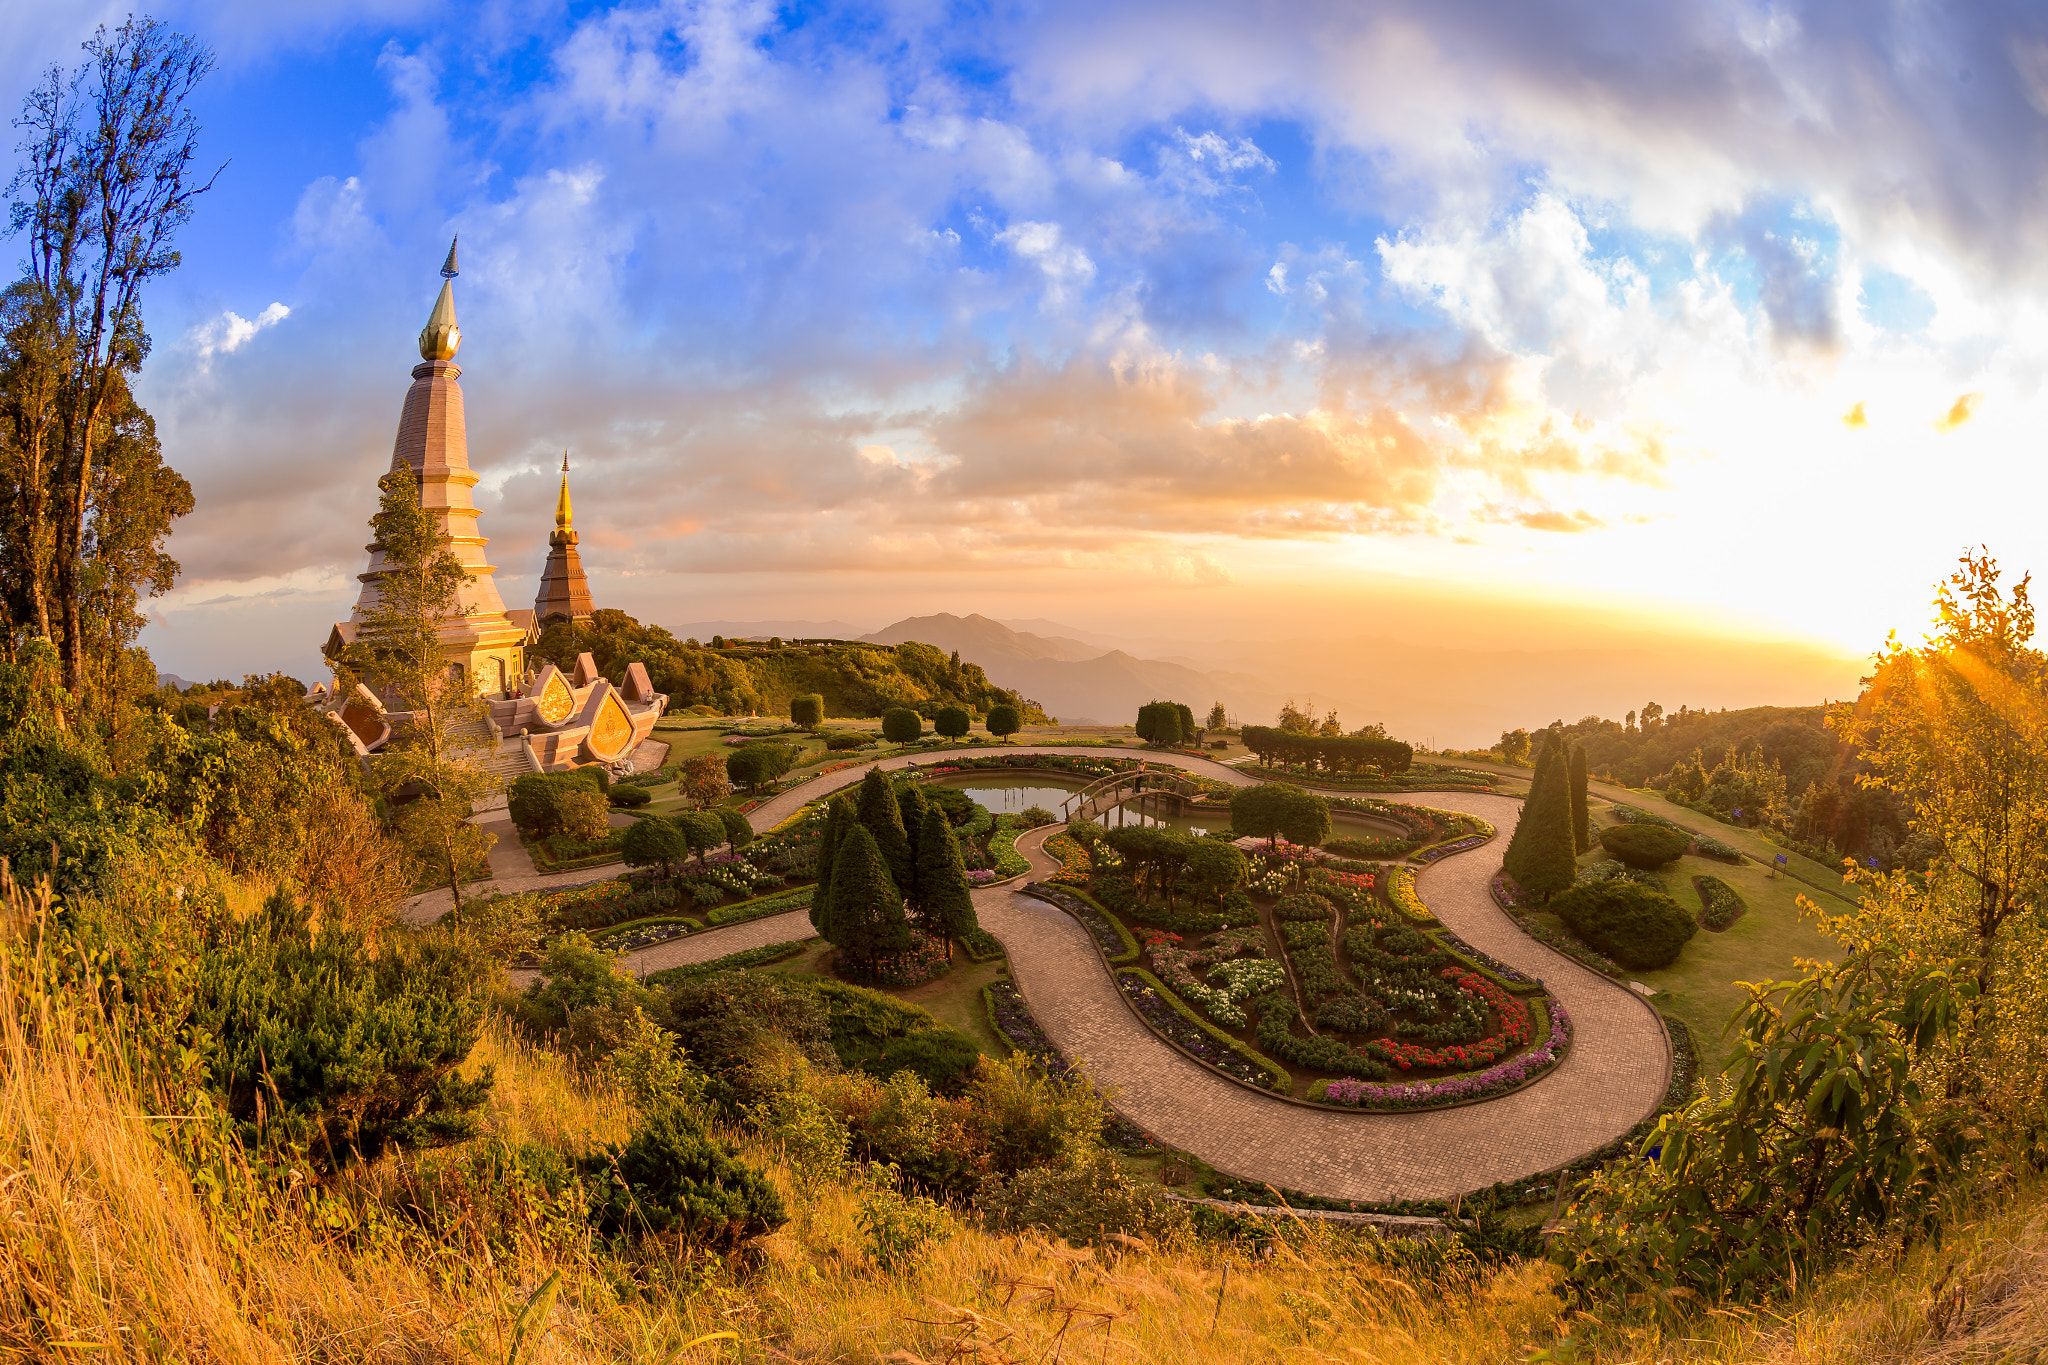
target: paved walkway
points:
(1614, 1076)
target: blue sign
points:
(1781, 860)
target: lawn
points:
(954, 997)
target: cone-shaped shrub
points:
(864, 920)
(944, 904)
(911, 805)
(1582, 820)
(884, 820)
(1541, 857)
(839, 816)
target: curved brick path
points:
(1615, 1074)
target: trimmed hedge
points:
(1720, 903)
(1645, 846)
(1637, 927)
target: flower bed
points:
(1509, 896)
(798, 899)
(1002, 846)
(1241, 977)
(1513, 978)
(1515, 1030)
(1720, 904)
(1401, 893)
(1493, 1081)
(1436, 851)
(930, 958)
(980, 946)
(1709, 847)
(1075, 866)
(632, 937)
(1174, 1021)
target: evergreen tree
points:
(1582, 820)
(911, 805)
(884, 820)
(945, 906)
(864, 919)
(839, 817)
(1540, 856)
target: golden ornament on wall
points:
(556, 700)
(613, 733)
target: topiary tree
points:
(1638, 926)
(1280, 810)
(1541, 856)
(756, 765)
(883, 819)
(1582, 820)
(1004, 720)
(1644, 845)
(738, 832)
(911, 805)
(655, 842)
(864, 919)
(807, 711)
(701, 829)
(672, 1179)
(839, 815)
(1216, 868)
(1159, 722)
(951, 722)
(944, 903)
(901, 725)
(1187, 722)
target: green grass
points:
(1700, 987)
(954, 997)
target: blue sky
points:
(861, 311)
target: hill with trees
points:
(854, 677)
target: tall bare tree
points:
(105, 183)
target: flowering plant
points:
(1451, 1089)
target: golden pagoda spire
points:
(562, 510)
(442, 338)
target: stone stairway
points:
(502, 762)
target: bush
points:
(1004, 721)
(845, 740)
(1723, 906)
(756, 765)
(535, 799)
(585, 815)
(1277, 808)
(901, 725)
(670, 1177)
(1089, 1203)
(1304, 905)
(1644, 845)
(655, 842)
(1636, 926)
(1350, 1012)
(624, 797)
(807, 711)
(952, 722)
(1034, 816)
(738, 832)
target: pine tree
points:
(910, 803)
(946, 909)
(884, 820)
(1540, 857)
(864, 920)
(839, 817)
(1582, 820)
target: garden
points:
(1300, 967)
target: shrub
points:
(1034, 816)
(655, 842)
(756, 765)
(807, 711)
(901, 725)
(1279, 809)
(738, 832)
(1644, 845)
(670, 1177)
(1708, 847)
(1350, 1012)
(952, 722)
(1636, 926)
(1089, 1203)
(535, 799)
(1004, 721)
(1304, 905)
(1722, 905)
(848, 739)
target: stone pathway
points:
(1614, 1076)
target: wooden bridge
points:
(1107, 793)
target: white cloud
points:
(230, 332)
(1065, 266)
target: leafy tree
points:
(944, 901)
(1514, 746)
(738, 832)
(1217, 720)
(105, 184)
(1216, 868)
(756, 765)
(1540, 855)
(901, 725)
(1582, 819)
(883, 818)
(655, 842)
(1278, 810)
(952, 722)
(704, 780)
(807, 711)
(1004, 721)
(702, 830)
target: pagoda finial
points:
(448, 270)
(441, 338)
(562, 509)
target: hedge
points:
(1645, 846)
(1721, 904)
(1630, 923)
(1401, 893)
(761, 907)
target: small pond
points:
(1007, 794)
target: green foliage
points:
(324, 1042)
(732, 1021)
(910, 805)
(952, 722)
(756, 765)
(738, 832)
(1005, 720)
(1541, 856)
(535, 800)
(655, 842)
(1636, 926)
(864, 918)
(882, 815)
(944, 902)
(1278, 809)
(1722, 905)
(1644, 845)
(844, 740)
(630, 797)
(1090, 1202)
(1032, 817)
(1823, 1139)
(1336, 753)
(672, 1179)
(1159, 723)
(901, 725)
(1582, 827)
(702, 830)
(807, 710)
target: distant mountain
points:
(172, 680)
(762, 630)
(981, 640)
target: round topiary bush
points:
(901, 725)
(631, 796)
(848, 740)
(1636, 926)
(952, 722)
(1644, 845)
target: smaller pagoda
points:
(564, 591)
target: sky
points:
(1495, 322)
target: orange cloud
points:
(1964, 409)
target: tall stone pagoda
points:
(487, 644)
(564, 592)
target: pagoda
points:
(485, 643)
(564, 592)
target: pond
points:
(1007, 794)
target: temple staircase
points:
(503, 761)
